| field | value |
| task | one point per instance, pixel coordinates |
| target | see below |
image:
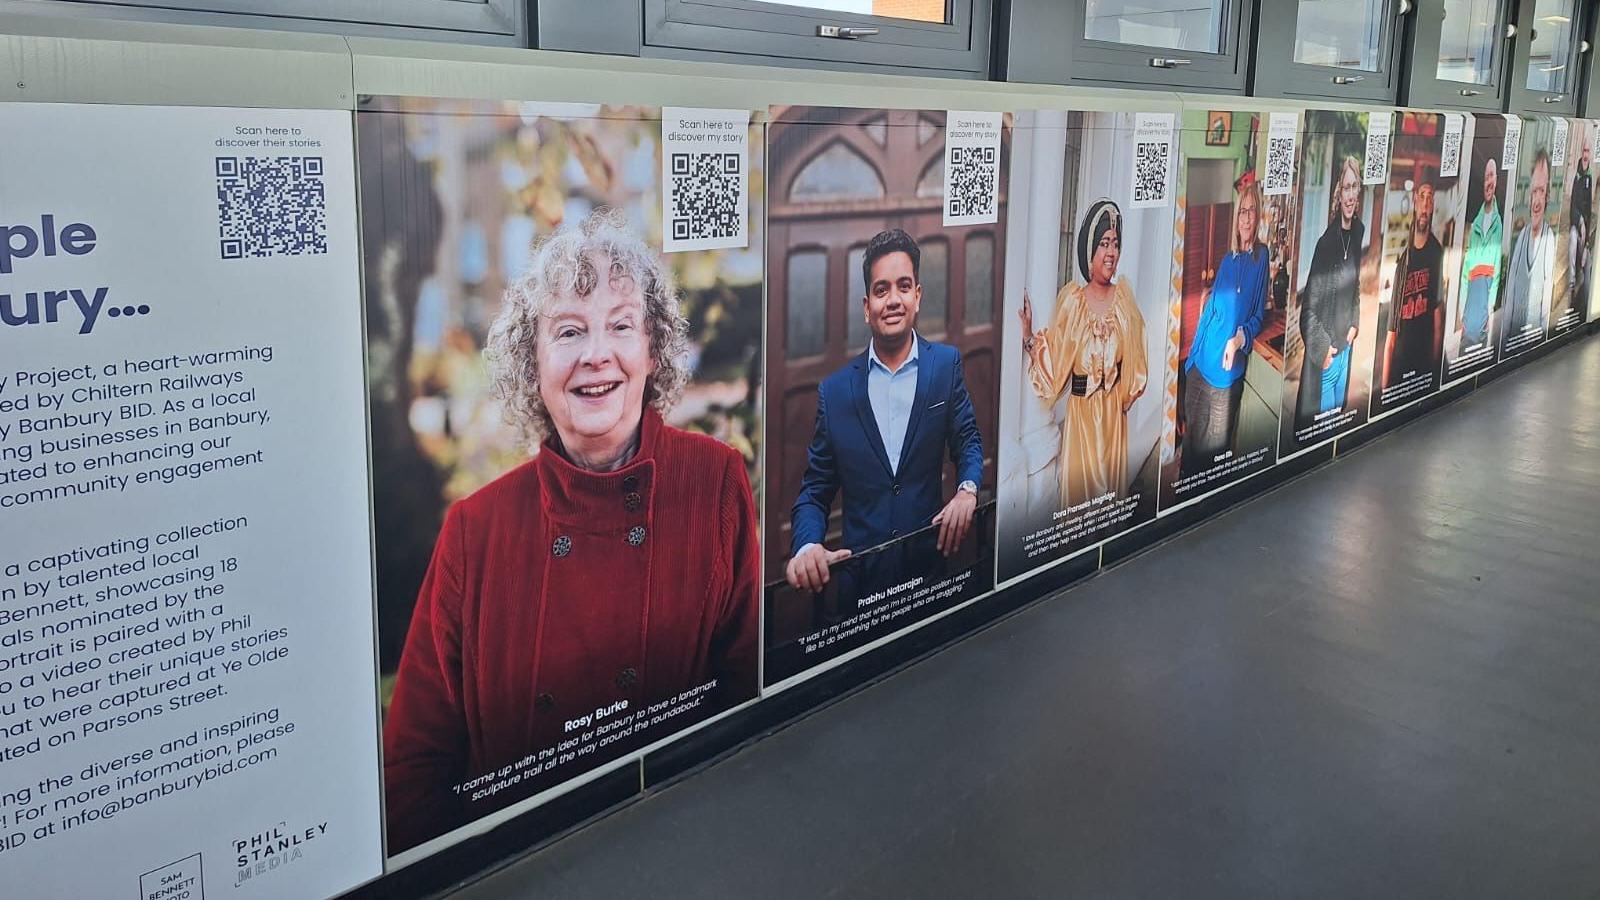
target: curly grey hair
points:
(570, 263)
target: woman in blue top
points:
(1229, 322)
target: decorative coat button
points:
(562, 546)
(630, 484)
(636, 535)
(627, 678)
(632, 502)
(543, 702)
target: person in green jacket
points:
(1480, 268)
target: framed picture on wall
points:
(1219, 128)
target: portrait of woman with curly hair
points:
(577, 399)
(615, 569)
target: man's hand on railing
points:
(808, 569)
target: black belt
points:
(1080, 383)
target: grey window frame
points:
(1421, 84)
(492, 22)
(1521, 100)
(758, 32)
(1041, 41)
(1276, 73)
(1591, 65)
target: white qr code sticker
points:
(1508, 150)
(1279, 178)
(972, 167)
(1450, 153)
(1558, 144)
(1152, 161)
(271, 206)
(705, 165)
(1375, 167)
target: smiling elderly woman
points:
(613, 571)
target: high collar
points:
(1487, 214)
(600, 500)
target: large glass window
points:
(1466, 41)
(1193, 25)
(856, 334)
(1187, 45)
(916, 10)
(907, 36)
(980, 280)
(837, 173)
(805, 291)
(1346, 34)
(1550, 46)
(503, 22)
(935, 287)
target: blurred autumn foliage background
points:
(456, 194)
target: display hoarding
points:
(186, 665)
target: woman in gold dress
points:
(1094, 351)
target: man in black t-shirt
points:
(1416, 317)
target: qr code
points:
(271, 206)
(1150, 162)
(1376, 165)
(970, 181)
(1280, 165)
(704, 196)
(1450, 157)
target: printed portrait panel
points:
(1588, 285)
(887, 229)
(1535, 264)
(1423, 214)
(1469, 322)
(564, 422)
(1569, 300)
(1237, 209)
(1332, 318)
(1089, 274)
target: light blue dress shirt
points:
(892, 394)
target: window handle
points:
(844, 32)
(1469, 92)
(1556, 99)
(1168, 62)
(1511, 30)
(1405, 7)
(1348, 79)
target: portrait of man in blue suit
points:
(886, 422)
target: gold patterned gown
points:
(1099, 361)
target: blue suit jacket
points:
(847, 454)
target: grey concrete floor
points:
(1381, 680)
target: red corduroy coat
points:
(555, 592)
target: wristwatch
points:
(969, 486)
